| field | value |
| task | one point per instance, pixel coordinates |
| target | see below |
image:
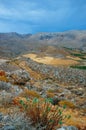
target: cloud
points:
(30, 11)
(35, 15)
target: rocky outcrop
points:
(62, 74)
(19, 77)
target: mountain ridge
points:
(21, 43)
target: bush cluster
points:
(42, 114)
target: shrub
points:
(3, 76)
(79, 67)
(78, 54)
(2, 73)
(42, 114)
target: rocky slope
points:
(23, 77)
(43, 66)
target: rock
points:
(16, 90)
(22, 74)
(8, 128)
(56, 100)
(68, 128)
(19, 77)
(67, 75)
(28, 86)
(80, 93)
(5, 86)
(7, 118)
(60, 129)
(77, 92)
(5, 97)
(15, 122)
(1, 116)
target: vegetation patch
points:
(50, 94)
(80, 55)
(30, 94)
(3, 76)
(42, 114)
(79, 67)
(51, 60)
(68, 48)
(67, 103)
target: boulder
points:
(5, 86)
(8, 127)
(20, 77)
(68, 128)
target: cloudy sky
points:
(32, 16)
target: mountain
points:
(13, 44)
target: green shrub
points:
(79, 67)
(42, 114)
(80, 55)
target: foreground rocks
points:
(68, 128)
(19, 123)
(49, 86)
(62, 74)
(8, 92)
(15, 122)
(19, 77)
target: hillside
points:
(43, 81)
(14, 44)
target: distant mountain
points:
(13, 44)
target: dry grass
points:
(29, 93)
(51, 60)
(3, 76)
(74, 58)
(67, 103)
(50, 94)
(76, 119)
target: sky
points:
(33, 16)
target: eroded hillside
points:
(51, 73)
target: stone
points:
(9, 128)
(80, 93)
(5, 86)
(1, 116)
(68, 128)
(56, 100)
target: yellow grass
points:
(73, 58)
(51, 60)
(67, 103)
(76, 119)
(29, 93)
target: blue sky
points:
(32, 16)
